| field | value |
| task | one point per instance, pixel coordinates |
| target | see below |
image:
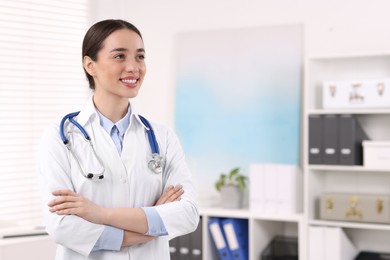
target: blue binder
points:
(217, 235)
(236, 232)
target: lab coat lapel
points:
(129, 147)
(106, 149)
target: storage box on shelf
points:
(355, 207)
(371, 93)
(334, 177)
(376, 154)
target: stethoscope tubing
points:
(156, 163)
(151, 136)
(70, 117)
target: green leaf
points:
(220, 182)
(233, 178)
(218, 185)
(234, 172)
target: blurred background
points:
(41, 76)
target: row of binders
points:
(187, 247)
(230, 237)
(335, 140)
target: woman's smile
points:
(130, 82)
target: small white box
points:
(356, 94)
(376, 155)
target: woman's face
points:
(120, 67)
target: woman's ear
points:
(89, 65)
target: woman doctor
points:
(133, 211)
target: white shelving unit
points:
(324, 178)
(348, 179)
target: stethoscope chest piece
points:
(156, 164)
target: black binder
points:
(315, 139)
(330, 139)
(196, 242)
(187, 247)
(351, 136)
(174, 248)
(184, 247)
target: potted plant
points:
(232, 188)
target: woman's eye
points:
(119, 57)
(141, 57)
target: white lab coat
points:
(128, 182)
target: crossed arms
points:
(132, 220)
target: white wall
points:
(332, 27)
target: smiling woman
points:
(39, 46)
(144, 196)
(118, 69)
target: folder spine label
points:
(218, 237)
(231, 236)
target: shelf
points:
(354, 225)
(225, 213)
(344, 168)
(352, 111)
(246, 213)
(278, 217)
(351, 56)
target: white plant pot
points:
(231, 197)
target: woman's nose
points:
(131, 65)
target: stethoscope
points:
(156, 163)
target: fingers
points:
(175, 194)
(61, 200)
(68, 211)
(64, 193)
(68, 202)
(65, 199)
(172, 193)
(63, 206)
(172, 190)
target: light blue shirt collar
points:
(122, 124)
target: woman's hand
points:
(71, 203)
(171, 194)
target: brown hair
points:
(95, 36)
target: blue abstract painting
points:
(238, 99)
